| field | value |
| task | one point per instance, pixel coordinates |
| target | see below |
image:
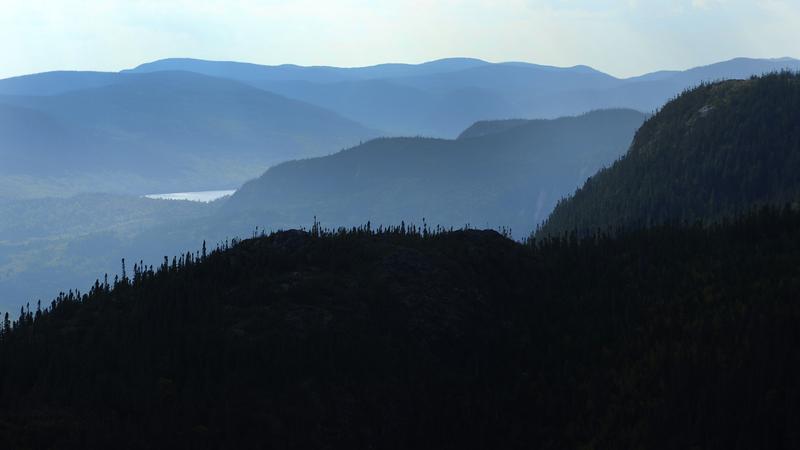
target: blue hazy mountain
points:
(736, 68)
(441, 98)
(509, 178)
(59, 82)
(172, 130)
(289, 72)
(514, 78)
(486, 127)
(215, 124)
(29, 138)
(438, 98)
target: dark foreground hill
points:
(715, 151)
(665, 338)
(499, 174)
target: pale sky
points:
(621, 37)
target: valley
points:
(179, 126)
(454, 254)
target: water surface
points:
(199, 196)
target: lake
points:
(199, 196)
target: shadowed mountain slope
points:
(716, 151)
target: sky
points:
(620, 37)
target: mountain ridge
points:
(442, 98)
(485, 180)
(196, 130)
(461, 339)
(718, 150)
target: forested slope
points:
(671, 337)
(715, 151)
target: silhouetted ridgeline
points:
(671, 337)
(716, 151)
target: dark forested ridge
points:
(508, 177)
(672, 337)
(715, 151)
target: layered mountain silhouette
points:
(58, 82)
(166, 130)
(509, 178)
(655, 308)
(503, 177)
(212, 125)
(716, 151)
(290, 72)
(441, 98)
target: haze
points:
(348, 224)
(622, 37)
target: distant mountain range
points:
(163, 131)
(715, 152)
(183, 124)
(441, 98)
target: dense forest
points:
(668, 337)
(715, 151)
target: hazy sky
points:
(622, 37)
